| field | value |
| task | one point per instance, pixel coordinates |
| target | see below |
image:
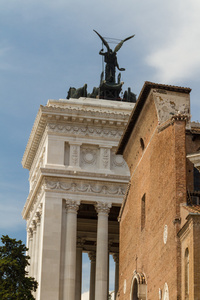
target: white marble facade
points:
(77, 184)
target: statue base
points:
(110, 91)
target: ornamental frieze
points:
(85, 188)
(85, 130)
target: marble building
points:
(77, 184)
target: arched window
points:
(135, 290)
(186, 273)
(138, 287)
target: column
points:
(32, 262)
(92, 257)
(79, 249)
(29, 246)
(37, 220)
(116, 260)
(102, 251)
(70, 250)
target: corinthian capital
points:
(92, 255)
(116, 257)
(72, 205)
(102, 207)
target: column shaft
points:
(92, 257)
(78, 269)
(102, 252)
(70, 251)
(32, 261)
(116, 260)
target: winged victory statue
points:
(110, 58)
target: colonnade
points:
(99, 259)
(72, 258)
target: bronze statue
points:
(110, 58)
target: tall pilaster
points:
(92, 257)
(70, 250)
(102, 251)
(116, 260)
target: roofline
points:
(139, 105)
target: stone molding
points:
(110, 177)
(85, 188)
(103, 208)
(85, 130)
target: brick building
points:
(160, 214)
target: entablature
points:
(80, 115)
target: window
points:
(135, 290)
(186, 273)
(143, 216)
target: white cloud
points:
(85, 296)
(178, 58)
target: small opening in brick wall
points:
(143, 213)
(142, 143)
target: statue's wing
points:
(121, 43)
(103, 40)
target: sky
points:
(48, 46)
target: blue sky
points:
(47, 46)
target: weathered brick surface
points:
(159, 171)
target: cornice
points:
(86, 175)
(100, 112)
(192, 220)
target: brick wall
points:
(159, 172)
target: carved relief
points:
(85, 130)
(89, 157)
(66, 154)
(106, 158)
(74, 155)
(85, 188)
